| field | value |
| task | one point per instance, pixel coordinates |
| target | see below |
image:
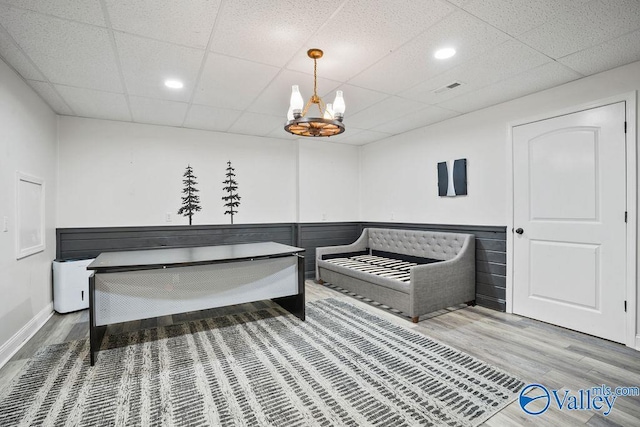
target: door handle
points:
(519, 230)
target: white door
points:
(569, 250)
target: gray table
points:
(140, 284)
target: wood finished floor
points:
(534, 351)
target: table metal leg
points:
(96, 333)
(295, 304)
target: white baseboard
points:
(638, 342)
(16, 342)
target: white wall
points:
(103, 173)
(125, 174)
(399, 180)
(27, 144)
(329, 181)
(399, 174)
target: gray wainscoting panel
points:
(319, 234)
(491, 257)
(72, 243)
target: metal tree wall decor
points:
(190, 200)
(232, 199)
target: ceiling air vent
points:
(450, 86)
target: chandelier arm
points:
(306, 107)
(321, 106)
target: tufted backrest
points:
(425, 244)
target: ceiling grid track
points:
(114, 46)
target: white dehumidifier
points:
(71, 285)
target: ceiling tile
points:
(518, 16)
(147, 63)
(384, 111)
(158, 112)
(188, 24)
(378, 53)
(534, 80)
(232, 83)
(362, 137)
(360, 35)
(51, 97)
(95, 104)
(414, 62)
(504, 61)
(87, 11)
(348, 134)
(211, 118)
(66, 52)
(357, 98)
(268, 31)
(279, 132)
(507, 60)
(256, 124)
(275, 98)
(13, 56)
(420, 118)
(596, 22)
(464, 3)
(614, 53)
(463, 75)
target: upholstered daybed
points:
(416, 272)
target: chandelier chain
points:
(315, 77)
(315, 98)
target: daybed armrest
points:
(359, 245)
(442, 284)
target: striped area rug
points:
(342, 367)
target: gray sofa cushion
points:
(443, 246)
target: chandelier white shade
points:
(328, 122)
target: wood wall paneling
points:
(491, 257)
(75, 243)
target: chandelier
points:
(328, 123)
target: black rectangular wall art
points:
(460, 177)
(443, 179)
(452, 181)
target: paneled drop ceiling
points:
(108, 59)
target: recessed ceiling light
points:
(174, 84)
(445, 53)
